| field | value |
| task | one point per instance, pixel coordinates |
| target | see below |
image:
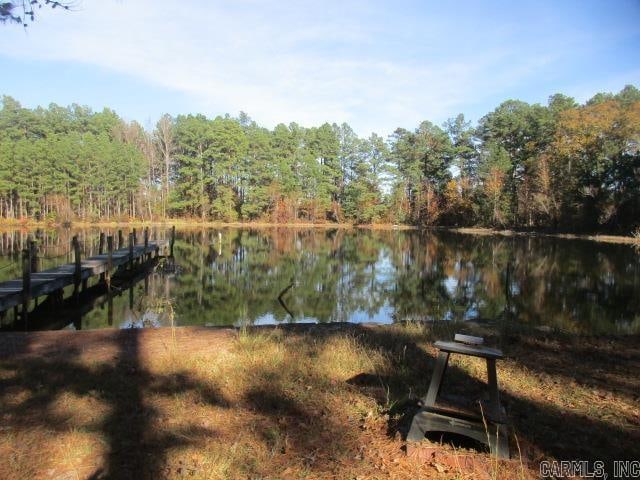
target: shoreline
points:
(603, 238)
(185, 224)
(12, 342)
(180, 223)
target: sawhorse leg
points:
(436, 379)
(492, 384)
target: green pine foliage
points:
(556, 166)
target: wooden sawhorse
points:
(488, 426)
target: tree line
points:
(560, 166)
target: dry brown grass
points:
(299, 402)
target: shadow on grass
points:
(136, 447)
(290, 419)
(295, 424)
(610, 364)
(135, 450)
(554, 431)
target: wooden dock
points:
(70, 311)
(52, 281)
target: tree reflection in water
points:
(235, 276)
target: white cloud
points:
(279, 62)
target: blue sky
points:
(376, 65)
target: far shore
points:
(197, 224)
(628, 239)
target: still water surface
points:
(266, 276)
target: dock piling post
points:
(172, 241)
(131, 241)
(26, 282)
(146, 242)
(109, 261)
(135, 242)
(77, 273)
(100, 252)
(33, 246)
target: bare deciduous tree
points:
(165, 139)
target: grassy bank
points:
(329, 401)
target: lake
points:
(275, 275)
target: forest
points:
(556, 167)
